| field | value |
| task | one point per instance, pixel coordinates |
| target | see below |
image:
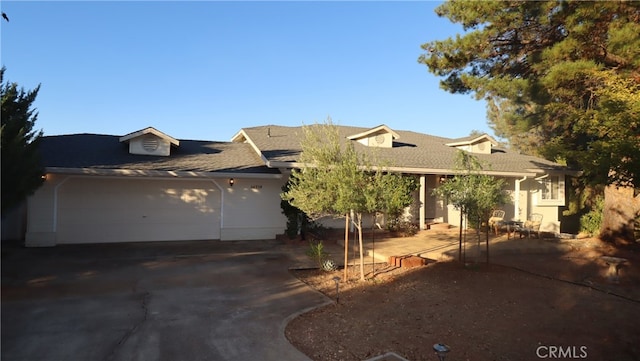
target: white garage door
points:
(131, 210)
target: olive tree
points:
(473, 193)
(336, 180)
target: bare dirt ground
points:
(519, 307)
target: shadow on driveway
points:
(206, 300)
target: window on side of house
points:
(551, 190)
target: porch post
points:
(516, 201)
(423, 201)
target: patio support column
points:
(423, 201)
(516, 200)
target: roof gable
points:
(149, 141)
(149, 130)
(380, 136)
(481, 144)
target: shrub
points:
(402, 227)
(317, 253)
(297, 220)
(591, 221)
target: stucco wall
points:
(153, 209)
(14, 222)
(41, 230)
(529, 189)
(252, 209)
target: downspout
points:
(516, 201)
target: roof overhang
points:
(157, 173)
(149, 130)
(409, 170)
(478, 139)
(542, 171)
(379, 129)
(240, 137)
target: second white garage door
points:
(105, 210)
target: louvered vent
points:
(150, 144)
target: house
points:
(149, 186)
(535, 184)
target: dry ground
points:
(517, 308)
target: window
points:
(551, 190)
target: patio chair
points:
(531, 226)
(495, 222)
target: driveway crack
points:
(134, 328)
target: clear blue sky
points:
(205, 69)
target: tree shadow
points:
(502, 310)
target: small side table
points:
(511, 226)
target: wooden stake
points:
(346, 246)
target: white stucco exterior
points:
(527, 203)
(149, 186)
(252, 209)
(97, 209)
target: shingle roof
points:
(107, 152)
(280, 144)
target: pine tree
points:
(21, 169)
(562, 80)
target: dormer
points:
(149, 141)
(481, 144)
(380, 136)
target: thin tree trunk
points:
(487, 238)
(619, 212)
(346, 246)
(359, 226)
(464, 244)
(373, 245)
(460, 239)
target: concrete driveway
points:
(153, 301)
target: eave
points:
(378, 129)
(157, 173)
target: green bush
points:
(317, 253)
(402, 227)
(591, 221)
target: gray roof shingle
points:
(96, 151)
(277, 144)
(411, 150)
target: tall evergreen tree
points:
(21, 170)
(562, 79)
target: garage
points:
(116, 209)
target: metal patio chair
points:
(531, 226)
(495, 222)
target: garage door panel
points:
(117, 210)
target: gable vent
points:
(150, 144)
